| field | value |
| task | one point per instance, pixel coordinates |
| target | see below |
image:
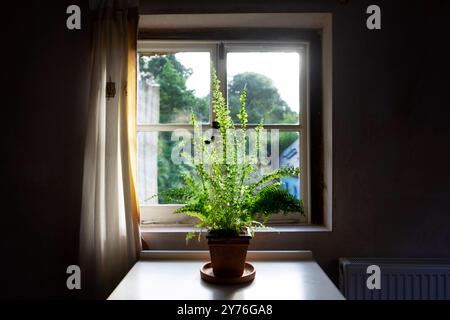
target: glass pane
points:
(290, 156)
(171, 85)
(157, 169)
(285, 154)
(272, 80)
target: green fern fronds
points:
(220, 192)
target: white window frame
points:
(163, 214)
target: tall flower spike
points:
(243, 117)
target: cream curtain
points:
(109, 235)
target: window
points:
(311, 31)
(175, 77)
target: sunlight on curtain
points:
(109, 235)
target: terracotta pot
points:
(228, 253)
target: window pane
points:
(272, 80)
(286, 154)
(157, 171)
(170, 85)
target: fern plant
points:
(224, 189)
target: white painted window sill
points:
(276, 229)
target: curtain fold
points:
(130, 116)
(109, 231)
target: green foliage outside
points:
(176, 101)
(220, 191)
(263, 101)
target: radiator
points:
(401, 279)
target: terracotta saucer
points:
(207, 274)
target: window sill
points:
(276, 238)
(277, 229)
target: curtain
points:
(109, 231)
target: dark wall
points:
(391, 177)
(390, 130)
(45, 83)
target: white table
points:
(280, 275)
